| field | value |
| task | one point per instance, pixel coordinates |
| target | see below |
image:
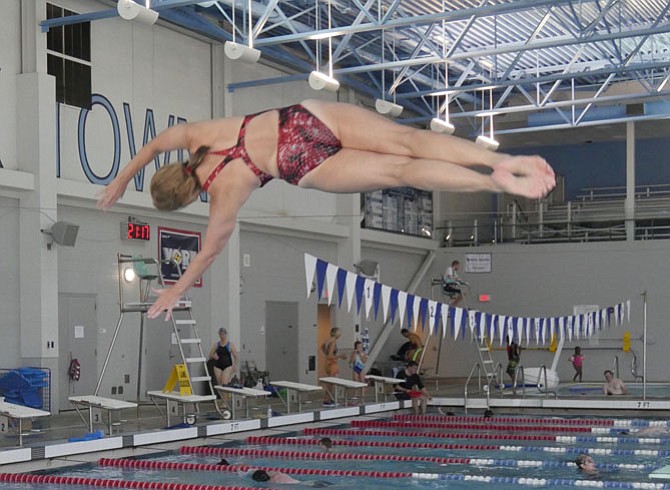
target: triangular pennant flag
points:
(472, 321)
(544, 328)
(360, 287)
(628, 310)
(402, 306)
(446, 311)
(409, 309)
(457, 318)
(432, 315)
(491, 320)
(376, 297)
(536, 322)
(568, 327)
(603, 319)
(351, 288)
(561, 327)
(482, 326)
(526, 327)
(368, 294)
(502, 327)
(576, 326)
(386, 300)
(415, 311)
(435, 310)
(321, 267)
(423, 310)
(394, 303)
(617, 314)
(510, 328)
(331, 276)
(310, 266)
(341, 285)
(518, 326)
(552, 329)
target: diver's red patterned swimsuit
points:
(303, 143)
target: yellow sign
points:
(179, 375)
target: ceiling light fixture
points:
(129, 10)
(240, 52)
(318, 80)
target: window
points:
(69, 58)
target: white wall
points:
(9, 67)
(548, 280)
(9, 290)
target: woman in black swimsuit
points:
(223, 359)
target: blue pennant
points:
(321, 267)
(360, 286)
(341, 283)
(423, 310)
(394, 303)
(377, 296)
(409, 310)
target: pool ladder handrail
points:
(543, 373)
(515, 382)
(487, 387)
(633, 367)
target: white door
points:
(281, 340)
(77, 339)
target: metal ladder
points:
(487, 362)
(190, 346)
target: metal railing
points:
(543, 388)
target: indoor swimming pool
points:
(402, 451)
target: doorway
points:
(281, 340)
(78, 339)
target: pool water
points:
(635, 390)
(477, 462)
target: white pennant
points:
(402, 305)
(537, 330)
(628, 310)
(510, 328)
(432, 313)
(310, 268)
(617, 314)
(543, 330)
(482, 327)
(552, 329)
(351, 288)
(519, 330)
(458, 318)
(526, 325)
(369, 294)
(417, 307)
(472, 321)
(445, 318)
(386, 300)
(502, 328)
(492, 328)
(561, 326)
(331, 278)
(603, 319)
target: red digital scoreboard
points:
(134, 230)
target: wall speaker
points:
(240, 52)
(64, 233)
(367, 267)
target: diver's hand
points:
(166, 301)
(110, 194)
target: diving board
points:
(335, 384)
(381, 382)
(188, 405)
(20, 413)
(297, 388)
(91, 402)
(241, 393)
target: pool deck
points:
(143, 431)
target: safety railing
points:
(543, 387)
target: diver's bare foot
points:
(527, 176)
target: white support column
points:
(629, 208)
(36, 154)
